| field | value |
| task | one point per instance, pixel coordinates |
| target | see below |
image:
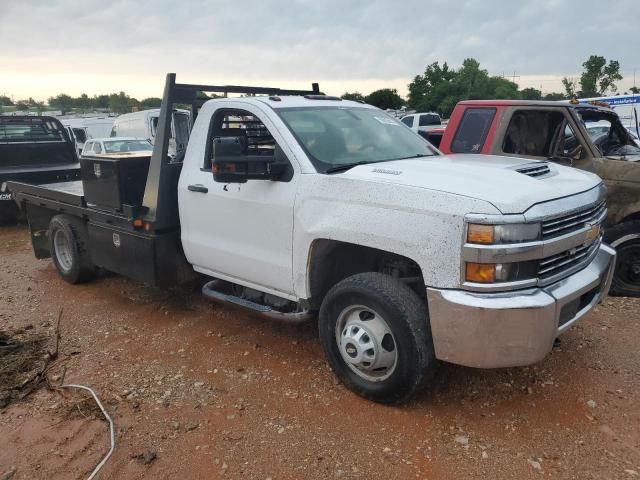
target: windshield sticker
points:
(387, 121)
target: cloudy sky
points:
(102, 46)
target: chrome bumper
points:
(490, 330)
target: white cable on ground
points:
(111, 429)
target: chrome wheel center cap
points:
(357, 346)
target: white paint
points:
(261, 233)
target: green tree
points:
(555, 96)
(5, 101)
(570, 86)
(385, 98)
(633, 89)
(63, 102)
(355, 96)
(530, 94)
(151, 102)
(100, 101)
(426, 91)
(599, 78)
(83, 102)
(121, 102)
(22, 105)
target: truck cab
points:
(586, 136)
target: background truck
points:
(564, 133)
(35, 150)
(294, 203)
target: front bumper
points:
(490, 330)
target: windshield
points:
(608, 133)
(334, 136)
(123, 146)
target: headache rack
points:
(160, 203)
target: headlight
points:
(500, 272)
(3, 187)
(499, 234)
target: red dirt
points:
(215, 393)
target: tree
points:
(63, 102)
(599, 77)
(530, 94)
(100, 101)
(570, 86)
(5, 101)
(121, 102)
(151, 102)
(633, 89)
(355, 96)
(385, 98)
(555, 96)
(83, 102)
(427, 90)
(22, 105)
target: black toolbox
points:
(111, 183)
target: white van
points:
(80, 129)
(143, 124)
(626, 106)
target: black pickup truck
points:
(33, 150)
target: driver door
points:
(241, 232)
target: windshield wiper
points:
(346, 166)
(417, 155)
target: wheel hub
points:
(366, 343)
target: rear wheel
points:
(375, 334)
(625, 238)
(68, 243)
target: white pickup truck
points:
(295, 204)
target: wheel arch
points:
(331, 261)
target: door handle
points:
(198, 188)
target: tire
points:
(625, 238)
(354, 307)
(68, 243)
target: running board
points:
(209, 290)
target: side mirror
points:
(231, 163)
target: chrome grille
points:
(574, 221)
(536, 170)
(567, 260)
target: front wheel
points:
(375, 333)
(625, 238)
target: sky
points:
(104, 46)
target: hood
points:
(494, 179)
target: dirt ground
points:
(201, 391)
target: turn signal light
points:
(478, 233)
(481, 272)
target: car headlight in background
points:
(3, 187)
(501, 234)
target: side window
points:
(408, 121)
(246, 130)
(153, 123)
(429, 119)
(97, 148)
(473, 130)
(569, 145)
(532, 132)
(254, 136)
(88, 147)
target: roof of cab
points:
(529, 103)
(293, 101)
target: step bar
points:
(212, 291)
